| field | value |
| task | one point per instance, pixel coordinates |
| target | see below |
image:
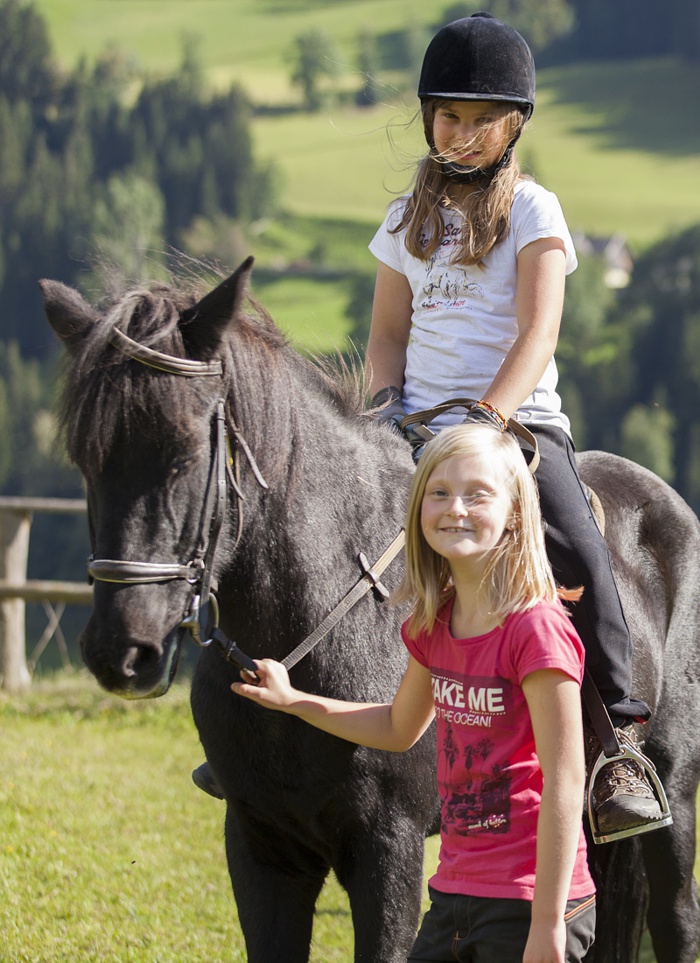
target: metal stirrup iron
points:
(612, 752)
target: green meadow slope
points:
(613, 140)
(616, 141)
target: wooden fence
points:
(15, 590)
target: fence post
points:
(14, 550)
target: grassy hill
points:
(613, 140)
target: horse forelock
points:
(107, 398)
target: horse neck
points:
(335, 490)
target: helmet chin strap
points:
(462, 174)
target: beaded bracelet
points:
(492, 410)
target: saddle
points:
(419, 423)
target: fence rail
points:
(16, 590)
(42, 590)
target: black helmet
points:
(479, 58)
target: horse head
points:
(147, 417)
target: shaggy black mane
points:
(107, 399)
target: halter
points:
(202, 618)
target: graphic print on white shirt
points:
(447, 285)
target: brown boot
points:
(623, 798)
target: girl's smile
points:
(469, 132)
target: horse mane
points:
(106, 399)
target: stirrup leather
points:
(627, 752)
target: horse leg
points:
(276, 883)
(618, 871)
(382, 870)
(669, 854)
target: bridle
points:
(202, 617)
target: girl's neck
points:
(471, 615)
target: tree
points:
(127, 234)
(637, 28)
(359, 308)
(314, 59)
(368, 65)
(647, 438)
(660, 310)
(26, 69)
(585, 343)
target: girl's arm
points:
(395, 727)
(391, 324)
(539, 304)
(554, 701)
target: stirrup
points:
(626, 752)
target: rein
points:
(420, 420)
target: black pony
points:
(142, 415)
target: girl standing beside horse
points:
(494, 659)
(468, 303)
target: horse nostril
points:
(141, 659)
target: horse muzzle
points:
(134, 663)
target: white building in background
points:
(614, 252)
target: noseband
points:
(202, 618)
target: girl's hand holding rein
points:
(274, 689)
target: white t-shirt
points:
(464, 319)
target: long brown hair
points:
(486, 209)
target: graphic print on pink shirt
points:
(474, 781)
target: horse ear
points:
(204, 325)
(68, 313)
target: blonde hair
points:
(486, 210)
(518, 574)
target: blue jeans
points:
(474, 929)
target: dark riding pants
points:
(579, 556)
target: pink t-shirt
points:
(489, 775)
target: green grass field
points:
(108, 852)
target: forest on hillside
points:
(100, 186)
